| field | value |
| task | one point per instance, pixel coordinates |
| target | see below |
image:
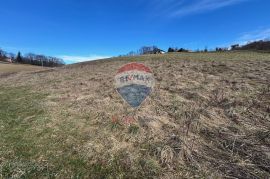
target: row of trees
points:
(145, 50)
(154, 50)
(33, 59)
(263, 45)
(40, 60)
(171, 49)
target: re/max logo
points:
(133, 77)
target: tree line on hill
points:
(262, 45)
(145, 50)
(31, 58)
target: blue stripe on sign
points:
(134, 94)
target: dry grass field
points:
(208, 117)
(12, 68)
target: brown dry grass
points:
(208, 117)
(13, 68)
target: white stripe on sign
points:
(134, 77)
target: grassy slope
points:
(208, 116)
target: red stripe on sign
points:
(134, 66)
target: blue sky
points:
(80, 30)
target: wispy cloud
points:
(180, 8)
(76, 59)
(259, 34)
(251, 36)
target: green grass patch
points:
(20, 112)
(30, 148)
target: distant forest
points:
(31, 58)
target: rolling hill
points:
(208, 117)
(257, 45)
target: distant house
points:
(162, 52)
(158, 51)
(150, 50)
(9, 60)
(234, 47)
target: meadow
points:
(208, 117)
(13, 68)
